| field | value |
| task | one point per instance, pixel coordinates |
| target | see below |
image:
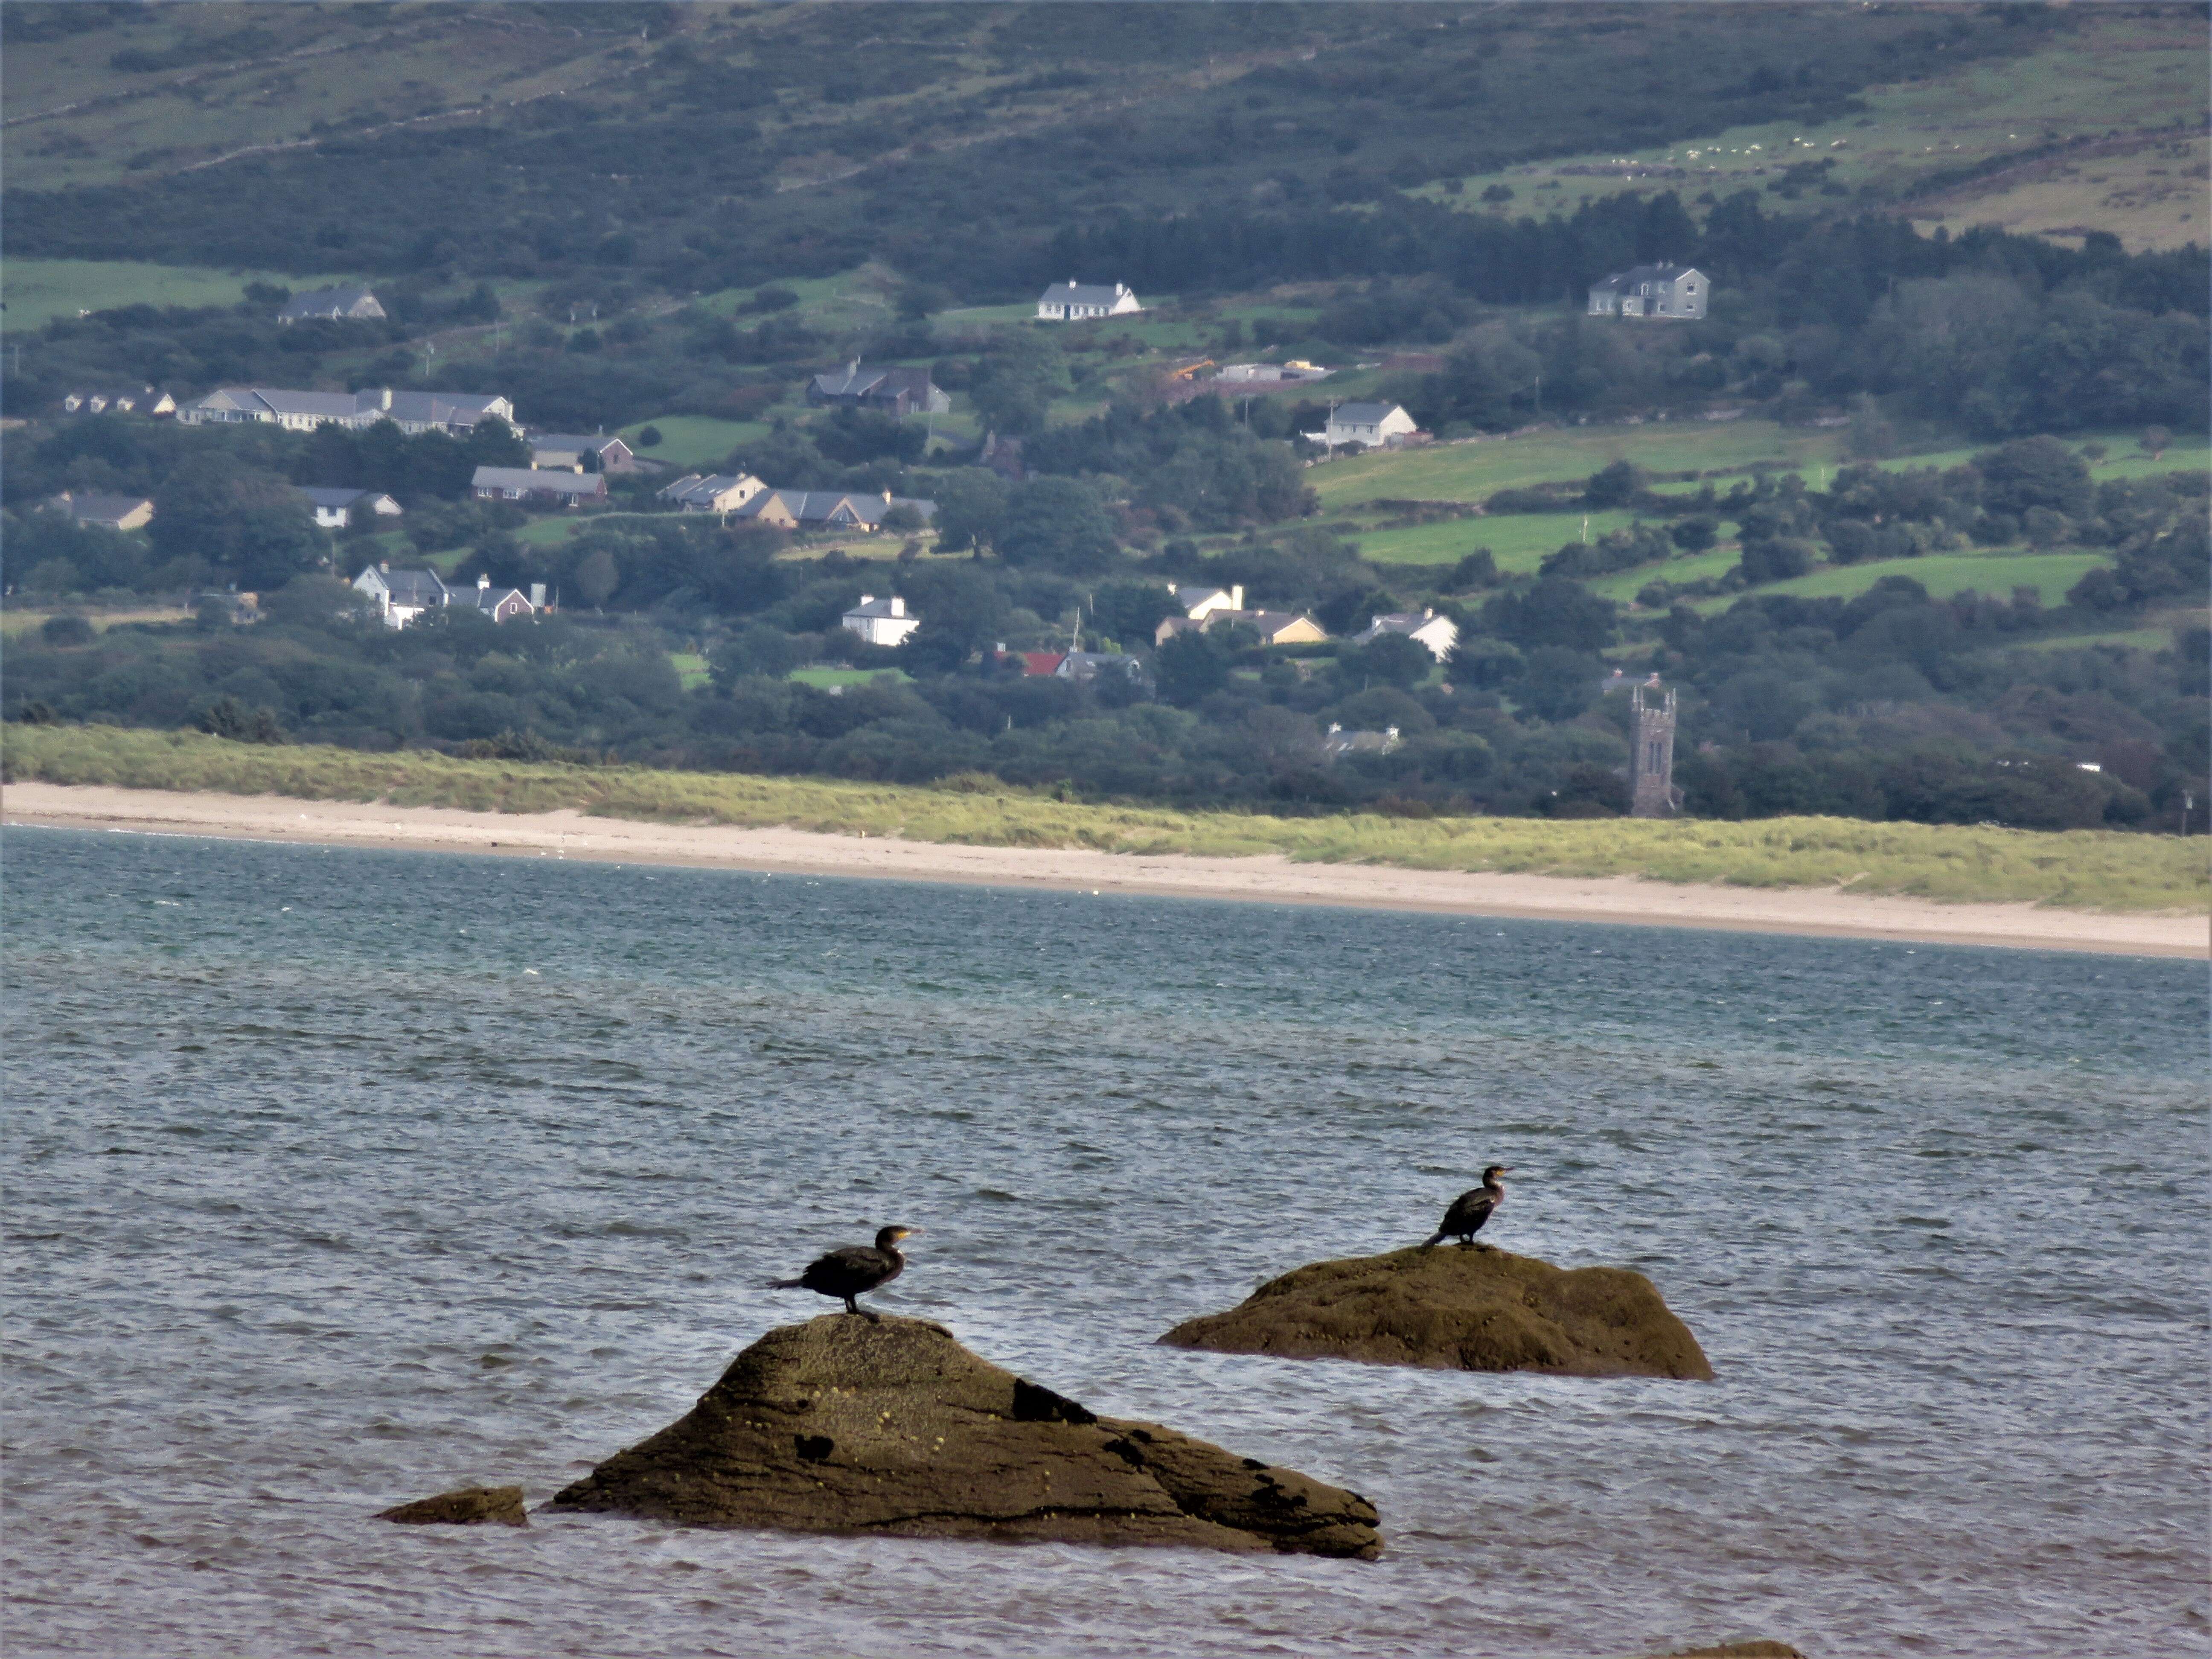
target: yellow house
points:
(1273, 627)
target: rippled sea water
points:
(335, 1178)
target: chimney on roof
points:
(384, 565)
(537, 596)
(482, 580)
(1071, 282)
(384, 399)
(899, 606)
(1237, 597)
(867, 599)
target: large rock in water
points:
(849, 1425)
(1459, 1309)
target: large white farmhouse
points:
(1368, 426)
(881, 621)
(1071, 301)
(1675, 292)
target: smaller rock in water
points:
(889, 1426)
(471, 1506)
(1450, 1308)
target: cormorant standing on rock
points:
(1470, 1210)
(854, 1271)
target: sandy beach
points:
(1270, 880)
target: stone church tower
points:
(1651, 750)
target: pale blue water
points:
(335, 1178)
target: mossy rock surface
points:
(469, 1506)
(1451, 1308)
(851, 1424)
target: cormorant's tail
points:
(1437, 1240)
(782, 1283)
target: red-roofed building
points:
(1040, 662)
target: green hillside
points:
(2101, 128)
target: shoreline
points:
(1619, 900)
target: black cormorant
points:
(1470, 1210)
(854, 1271)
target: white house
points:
(357, 304)
(1439, 634)
(881, 621)
(1368, 426)
(725, 492)
(334, 508)
(1678, 292)
(402, 595)
(1201, 602)
(1071, 301)
(1340, 743)
(146, 400)
(452, 412)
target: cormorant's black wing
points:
(841, 1273)
(1468, 1212)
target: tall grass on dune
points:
(2079, 869)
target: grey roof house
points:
(1676, 292)
(900, 391)
(722, 492)
(1071, 301)
(841, 509)
(93, 507)
(563, 450)
(356, 304)
(1424, 628)
(530, 484)
(452, 412)
(402, 595)
(126, 400)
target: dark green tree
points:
(1058, 523)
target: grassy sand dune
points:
(2083, 870)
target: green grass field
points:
(1942, 575)
(16, 620)
(2081, 869)
(694, 443)
(822, 679)
(35, 290)
(1472, 471)
(1520, 540)
(1624, 585)
(2126, 639)
(691, 668)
